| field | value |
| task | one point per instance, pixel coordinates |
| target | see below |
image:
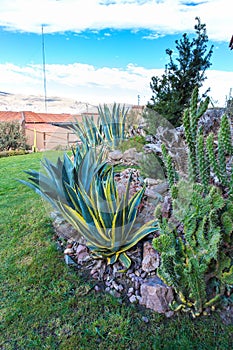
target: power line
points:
(44, 72)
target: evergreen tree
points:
(172, 91)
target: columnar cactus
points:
(218, 157)
(189, 259)
(169, 166)
(225, 130)
(203, 163)
(190, 121)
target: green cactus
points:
(225, 131)
(218, 161)
(203, 162)
(171, 175)
(190, 121)
(211, 154)
(189, 258)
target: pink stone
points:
(156, 295)
(150, 260)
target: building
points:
(44, 131)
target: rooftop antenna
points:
(44, 72)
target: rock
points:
(83, 257)
(150, 182)
(82, 253)
(115, 285)
(152, 194)
(167, 207)
(131, 156)
(169, 314)
(156, 295)
(145, 319)
(133, 298)
(151, 147)
(150, 260)
(115, 155)
(130, 291)
(69, 251)
(69, 260)
(161, 188)
(97, 288)
(80, 249)
(120, 288)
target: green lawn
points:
(47, 305)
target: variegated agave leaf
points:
(85, 193)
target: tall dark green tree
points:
(172, 91)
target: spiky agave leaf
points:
(112, 123)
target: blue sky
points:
(106, 51)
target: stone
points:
(69, 251)
(167, 207)
(149, 192)
(150, 261)
(145, 319)
(150, 182)
(69, 260)
(120, 288)
(161, 188)
(156, 295)
(115, 285)
(129, 154)
(130, 291)
(83, 257)
(115, 155)
(97, 288)
(80, 249)
(133, 298)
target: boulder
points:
(156, 295)
(115, 155)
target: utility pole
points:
(44, 72)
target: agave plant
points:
(85, 193)
(112, 123)
(88, 132)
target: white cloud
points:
(87, 83)
(165, 17)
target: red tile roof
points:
(58, 118)
(7, 116)
(32, 117)
(43, 127)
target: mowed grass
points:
(47, 305)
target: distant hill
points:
(18, 102)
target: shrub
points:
(12, 136)
(136, 141)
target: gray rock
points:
(151, 182)
(156, 295)
(161, 188)
(151, 259)
(115, 155)
(133, 298)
